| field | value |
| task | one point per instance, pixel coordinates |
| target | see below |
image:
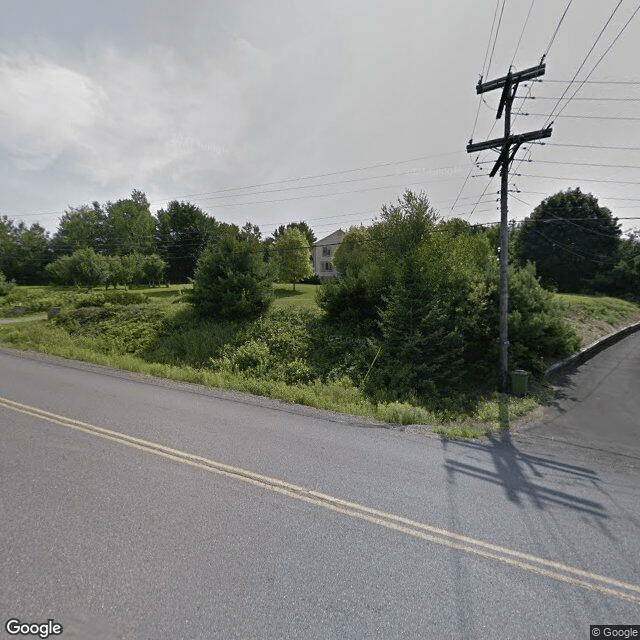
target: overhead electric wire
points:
(626, 24)
(591, 164)
(584, 61)
(486, 53)
(544, 193)
(524, 26)
(495, 39)
(623, 82)
(312, 177)
(550, 117)
(581, 117)
(415, 171)
(480, 98)
(590, 98)
(595, 66)
(529, 175)
(572, 250)
(555, 33)
(590, 146)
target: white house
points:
(323, 252)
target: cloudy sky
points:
(278, 111)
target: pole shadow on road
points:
(512, 468)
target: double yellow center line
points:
(429, 533)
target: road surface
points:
(140, 508)
(597, 404)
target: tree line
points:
(122, 242)
(575, 244)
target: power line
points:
(524, 26)
(548, 118)
(585, 81)
(580, 117)
(579, 164)
(486, 53)
(529, 175)
(606, 51)
(555, 243)
(545, 193)
(311, 177)
(496, 36)
(555, 33)
(590, 146)
(590, 98)
(585, 59)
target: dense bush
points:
(425, 294)
(84, 267)
(5, 285)
(88, 268)
(232, 281)
(38, 299)
(100, 298)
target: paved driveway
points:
(597, 404)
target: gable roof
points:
(336, 236)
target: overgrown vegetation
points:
(288, 353)
(5, 285)
(408, 333)
(424, 296)
(37, 299)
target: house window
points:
(326, 266)
(326, 251)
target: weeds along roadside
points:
(286, 354)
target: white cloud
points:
(46, 110)
(133, 119)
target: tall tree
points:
(24, 251)
(8, 246)
(291, 254)
(183, 232)
(79, 228)
(301, 226)
(570, 238)
(83, 267)
(129, 226)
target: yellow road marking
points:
(467, 544)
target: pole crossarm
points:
(515, 78)
(508, 146)
(514, 139)
(505, 144)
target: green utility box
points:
(519, 382)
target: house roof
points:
(332, 237)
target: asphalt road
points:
(204, 514)
(597, 405)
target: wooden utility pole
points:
(508, 145)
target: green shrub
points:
(5, 285)
(426, 294)
(232, 281)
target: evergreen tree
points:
(232, 281)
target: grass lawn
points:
(304, 296)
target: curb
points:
(588, 352)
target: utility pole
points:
(508, 146)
